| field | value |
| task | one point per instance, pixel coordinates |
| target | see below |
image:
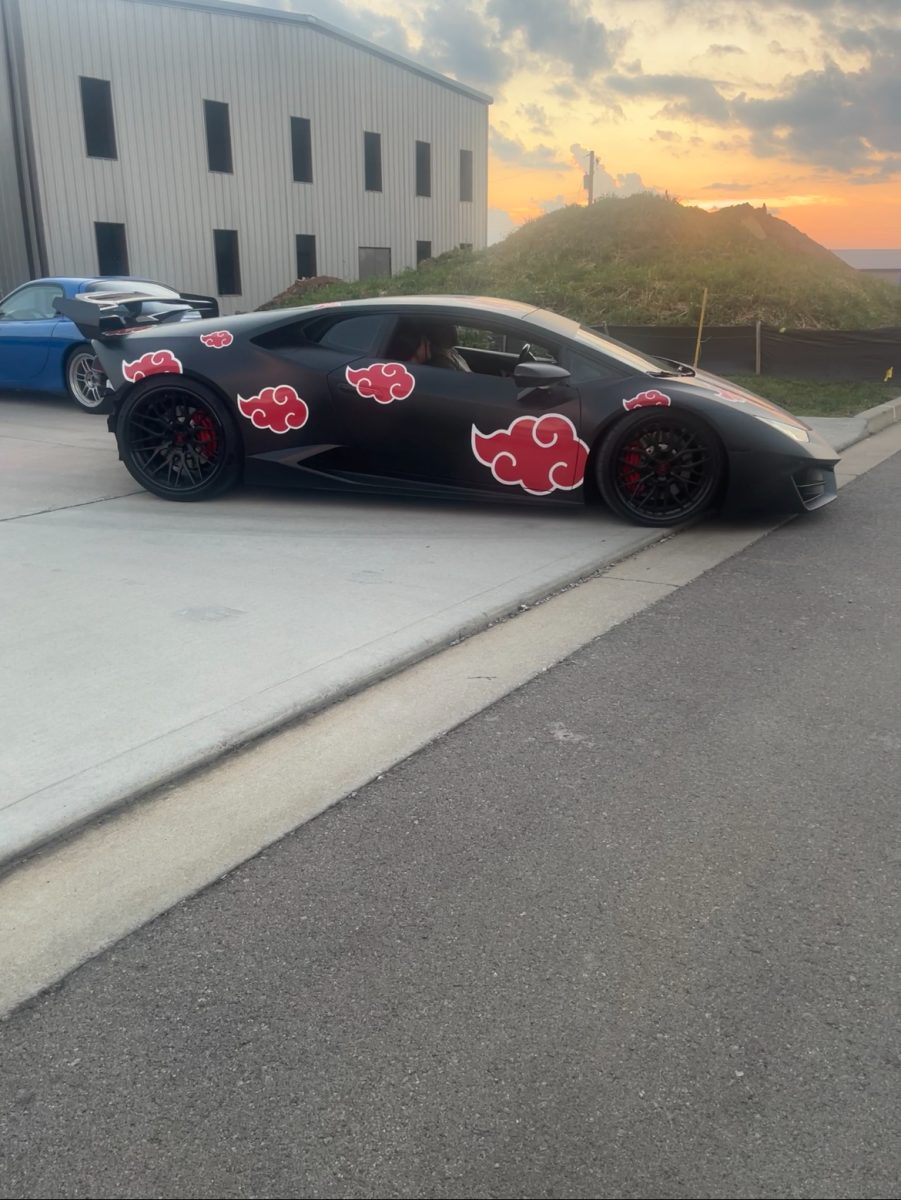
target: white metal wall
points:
(162, 62)
(13, 253)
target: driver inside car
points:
(433, 345)
(442, 339)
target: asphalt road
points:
(631, 932)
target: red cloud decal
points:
(648, 399)
(218, 340)
(540, 454)
(382, 382)
(154, 362)
(276, 408)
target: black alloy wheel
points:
(178, 440)
(660, 467)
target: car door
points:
(468, 430)
(27, 324)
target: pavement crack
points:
(39, 512)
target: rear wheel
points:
(660, 467)
(86, 380)
(179, 441)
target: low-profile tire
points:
(86, 381)
(659, 466)
(178, 440)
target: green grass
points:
(645, 260)
(812, 398)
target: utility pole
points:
(591, 177)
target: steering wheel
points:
(526, 355)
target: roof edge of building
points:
(260, 12)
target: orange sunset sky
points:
(795, 103)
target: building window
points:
(306, 255)
(372, 161)
(466, 245)
(218, 136)
(423, 251)
(228, 265)
(97, 111)
(374, 261)
(112, 250)
(301, 150)
(465, 174)
(423, 169)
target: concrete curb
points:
(882, 415)
(66, 807)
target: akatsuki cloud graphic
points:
(382, 382)
(218, 340)
(154, 362)
(540, 454)
(649, 399)
(277, 408)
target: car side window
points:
(495, 348)
(348, 335)
(359, 335)
(32, 303)
(584, 369)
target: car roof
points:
(493, 304)
(81, 280)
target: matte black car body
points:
(320, 396)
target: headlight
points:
(792, 431)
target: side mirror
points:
(538, 374)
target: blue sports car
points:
(42, 351)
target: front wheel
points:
(178, 440)
(85, 380)
(660, 467)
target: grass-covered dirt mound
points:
(645, 260)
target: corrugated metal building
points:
(225, 148)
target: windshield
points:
(611, 349)
(627, 355)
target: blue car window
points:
(34, 302)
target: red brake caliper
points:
(207, 436)
(629, 464)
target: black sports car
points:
(442, 395)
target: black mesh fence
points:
(790, 353)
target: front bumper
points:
(795, 479)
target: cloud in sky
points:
(628, 183)
(847, 120)
(564, 31)
(512, 150)
(537, 118)
(684, 95)
(728, 187)
(457, 39)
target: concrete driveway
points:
(142, 638)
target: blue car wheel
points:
(85, 380)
